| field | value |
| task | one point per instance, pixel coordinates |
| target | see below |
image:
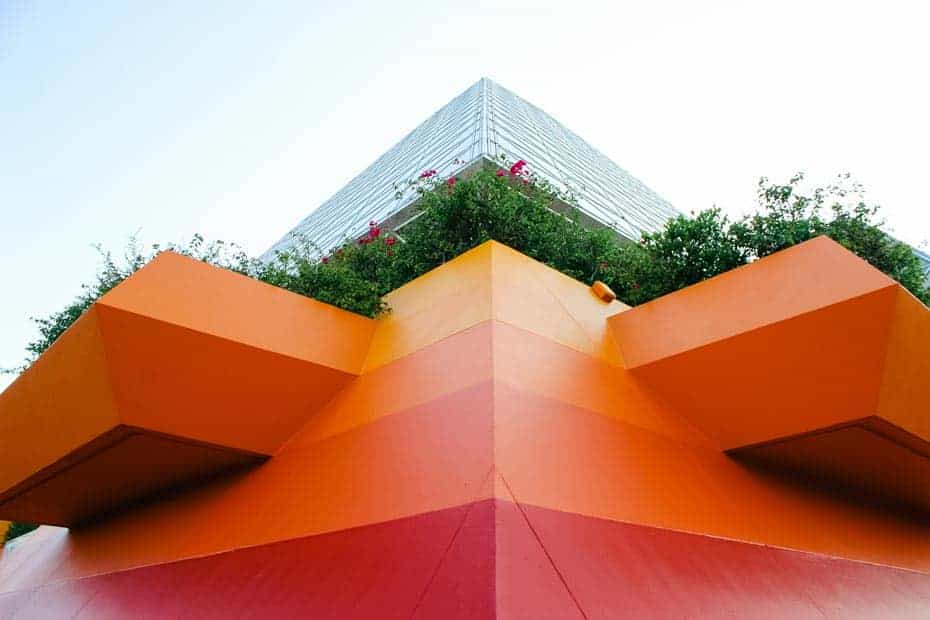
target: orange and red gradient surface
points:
(503, 444)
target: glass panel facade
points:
(486, 121)
(924, 263)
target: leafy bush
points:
(17, 529)
(353, 278)
(509, 206)
(514, 207)
(790, 216)
(691, 249)
(112, 271)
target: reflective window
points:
(487, 121)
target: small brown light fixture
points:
(603, 292)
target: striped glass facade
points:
(924, 262)
(485, 122)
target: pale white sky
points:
(235, 120)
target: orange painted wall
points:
(493, 377)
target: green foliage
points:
(691, 249)
(523, 212)
(514, 207)
(354, 282)
(685, 252)
(789, 215)
(518, 211)
(112, 271)
(18, 529)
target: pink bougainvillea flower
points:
(501, 173)
(325, 259)
(373, 232)
(427, 174)
(450, 183)
(390, 241)
(517, 168)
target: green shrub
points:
(513, 207)
(789, 216)
(18, 529)
(510, 205)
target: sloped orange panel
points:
(494, 459)
(810, 276)
(493, 281)
(182, 371)
(905, 389)
(809, 360)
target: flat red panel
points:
(491, 559)
(463, 584)
(618, 570)
(528, 586)
(378, 571)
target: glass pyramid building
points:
(483, 123)
(924, 262)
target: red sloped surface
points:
(528, 586)
(496, 568)
(619, 570)
(491, 559)
(378, 571)
(463, 584)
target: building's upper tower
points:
(484, 122)
(924, 262)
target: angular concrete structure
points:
(809, 359)
(505, 444)
(183, 371)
